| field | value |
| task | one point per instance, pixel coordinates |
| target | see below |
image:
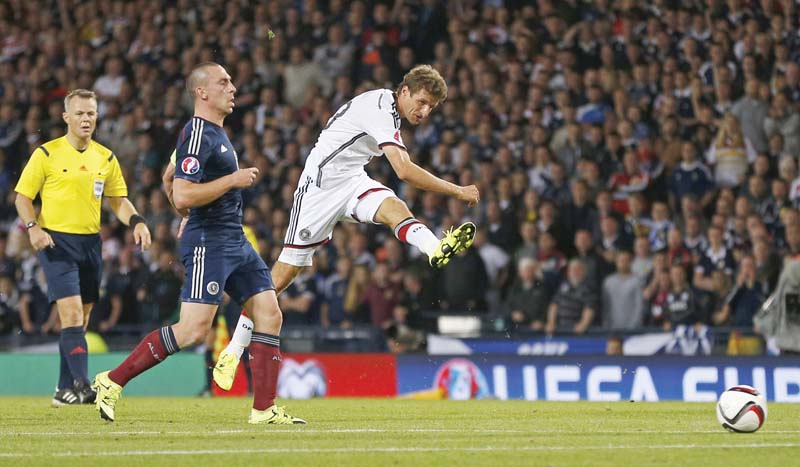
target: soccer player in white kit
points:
(335, 187)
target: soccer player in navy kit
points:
(215, 253)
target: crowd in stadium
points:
(637, 161)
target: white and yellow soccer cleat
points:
(273, 416)
(108, 393)
(225, 370)
(454, 242)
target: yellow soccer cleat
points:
(225, 370)
(273, 416)
(454, 242)
(108, 393)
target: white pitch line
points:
(377, 430)
(179, 452)
(229, 432)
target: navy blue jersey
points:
(204, 153)
(694, 179)
(720, 260)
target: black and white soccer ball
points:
(742, 409)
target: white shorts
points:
(316, 211)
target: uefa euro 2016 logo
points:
(460, 379)
(190, 165)
(301, 380)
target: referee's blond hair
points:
(83, 93)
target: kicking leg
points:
(395, 214)
(192, 327)
(265, 359)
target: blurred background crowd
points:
(637, 160)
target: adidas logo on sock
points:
(77, 350)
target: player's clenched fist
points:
(469, 194)
(244, 178)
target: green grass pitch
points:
(374, 432)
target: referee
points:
(72, 174)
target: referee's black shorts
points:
(73, 266)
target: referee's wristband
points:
(136, 219)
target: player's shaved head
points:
(199, 77)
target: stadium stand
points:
(667, 129)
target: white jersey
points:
(352, 137)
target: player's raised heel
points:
(273, 416)
(225, 370)
(454, 242)
(108, 393)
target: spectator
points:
(611, 239)
(574, 306)
(161, 291)
(742, 303)
(630, 179)
(381, 296)
(660, 225)
(751, 112)
(9, 304)
(677, 253)
(656, 294)
(614, 346)
(400, 336)
(299, 75)
(579, 213)
(730, 154)
(681, 306)
(717, 257)
(501, 230)
(496, 261)
(10, 133)
(596, 267)
(529, 247)
(298, 300)
(575, 145)
(781, 120)
(335, 57)
(119, 304)
(465, 292)
(356, 287)
(334, 293)
(642, 265)
(622, 297)
(690, 177)
(527, 300)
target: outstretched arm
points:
(420, 178)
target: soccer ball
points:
(742, 409)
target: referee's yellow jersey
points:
(72, 184)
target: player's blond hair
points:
(425, 77)
(82, 93)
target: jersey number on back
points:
(338, 114)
